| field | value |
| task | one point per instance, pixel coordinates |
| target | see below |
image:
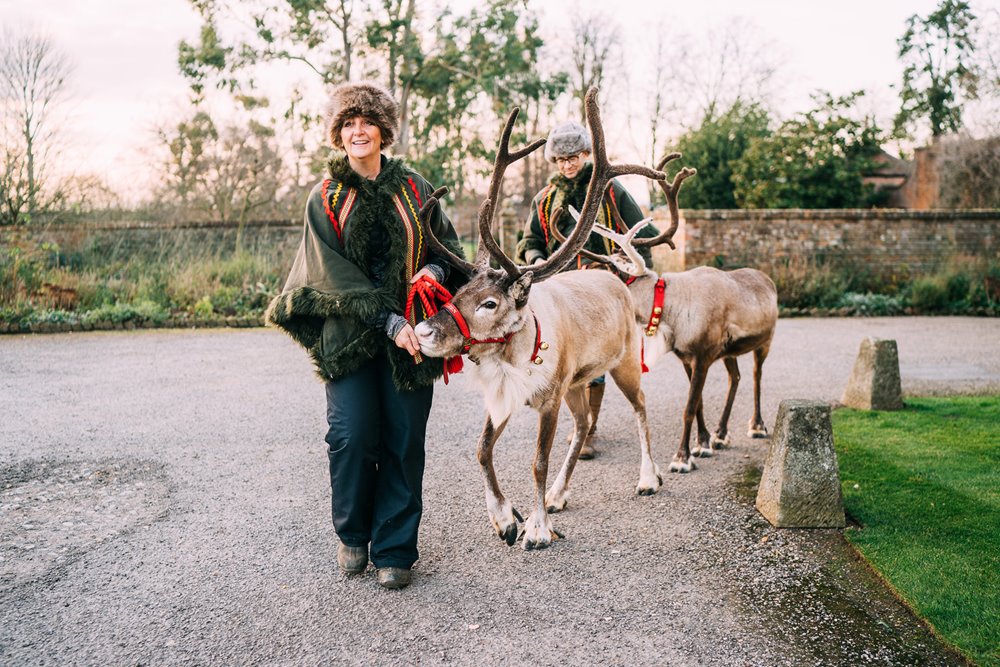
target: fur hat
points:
(363, 98)
(567, 139)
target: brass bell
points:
(650, 331)
(657, 310)
(543, 346)
(538, 361)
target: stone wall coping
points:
(838, 214)
(146, 224)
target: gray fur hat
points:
(362, 98)
(567, 139)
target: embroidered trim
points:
(413, 186)
(418, 255)
(345, 210)
(543, 208)
(329, 205)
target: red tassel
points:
(452, 365)
(642, 355)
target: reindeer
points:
(701, 315)
(540, 347)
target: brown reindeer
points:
(701, 315)
(536, 337)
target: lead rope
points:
(430, 292)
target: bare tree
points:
(226, 173)
(732, 63)
(596, 51)
(33, 82)
(970, 172)
(659, 102)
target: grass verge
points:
(924, 483)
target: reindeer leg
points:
(628, 377)
(499, 508)
(704, 446)
(720, 438)
(757, 427)
(538, 531)
(579, 406)
(682, 459)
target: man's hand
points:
(407, 339)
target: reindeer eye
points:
(489, 304)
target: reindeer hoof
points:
(530, 545)
(646, 491)
(509, 534)
(703, 452)
(720, 443)
(552, 507)
(759, 431)
(679, 465)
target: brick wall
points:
(280, 237)
(874, 238)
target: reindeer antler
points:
(488, 247)
(636, 265)
(602, 175)
(433, 242)
(554, 226)
(670, 190)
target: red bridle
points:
(463, 327)
(469, 341)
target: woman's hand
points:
(418, 275)
(407, 339)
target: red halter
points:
(429, 291)
(463, 327)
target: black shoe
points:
(394, 577)
(352, 560)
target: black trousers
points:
(376, 449)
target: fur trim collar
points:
(391, 175)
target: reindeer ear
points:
(520, 288)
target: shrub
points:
(808, 285)
(141, 311)
(203, 308)
(957, 287)
(873, 304)
(929, 295)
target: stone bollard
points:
(800, 487)
(874, 383)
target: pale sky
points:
(126, 79)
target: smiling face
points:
(361, 137)
(490, 307)
(570, 165)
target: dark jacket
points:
(538, 240)
(361, 243)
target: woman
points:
(568, 146)
(345, 302)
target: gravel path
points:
(164, 500)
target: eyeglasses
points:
(569, 159)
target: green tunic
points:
(538, 240)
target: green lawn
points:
(924, 483)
